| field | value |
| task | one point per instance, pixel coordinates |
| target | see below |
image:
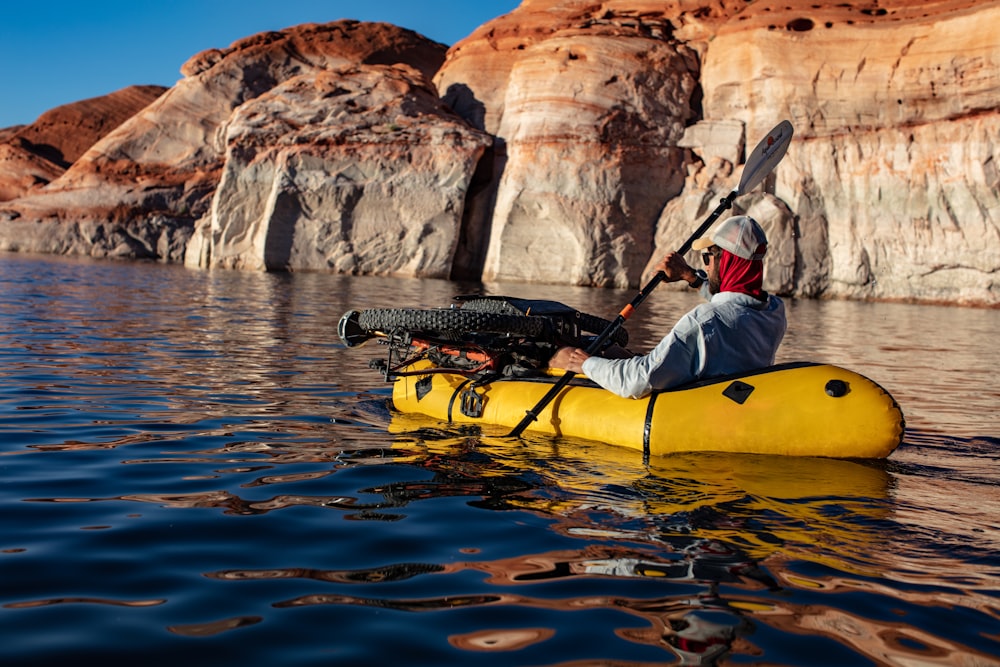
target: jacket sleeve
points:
(674, 361)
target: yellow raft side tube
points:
(794, 409)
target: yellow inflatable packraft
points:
(798, 409)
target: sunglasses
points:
(708, 255)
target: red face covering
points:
(741, 275)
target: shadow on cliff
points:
(480, 200)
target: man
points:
(738, 329)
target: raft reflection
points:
(828, 511)
(697, 531)
(704, 519)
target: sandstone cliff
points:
(32, 156)
(893, 180)
(139, 190)
(359, 170)
(889, 189)
(576, 143)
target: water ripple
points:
(191, 464)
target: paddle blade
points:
(766, 156)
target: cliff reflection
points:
(696, 624)
(883, 641)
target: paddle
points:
(764, 158)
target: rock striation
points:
(33, 156)
(893, 178)
(358, 170)
(139, 190)
(590, 127)
(566, 142)
(889, 190)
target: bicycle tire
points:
(448, 320)
(587, 323)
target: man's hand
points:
(675, 268)
(569, 359)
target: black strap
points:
(647, 427)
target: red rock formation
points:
(21, 169)
(896, 105)
(163, 164)
(7, 132)
(66, 132)
(33, 155)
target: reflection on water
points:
(192, 465)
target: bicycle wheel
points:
(586, 322)
(450, 321)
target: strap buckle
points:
(471, 404)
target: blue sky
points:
(60, 51)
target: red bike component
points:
(485, 358)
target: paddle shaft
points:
(598, 343)
(764, 157)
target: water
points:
(194, 470)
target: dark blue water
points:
(193, 470)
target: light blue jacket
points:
(732, 333)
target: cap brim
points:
(702, 243)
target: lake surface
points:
(194, 470)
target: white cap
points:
(740, 235)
